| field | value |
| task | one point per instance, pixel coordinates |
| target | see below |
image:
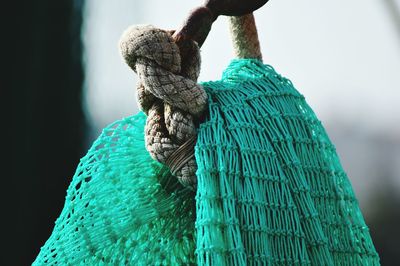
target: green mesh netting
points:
(271, 190)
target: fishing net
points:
(271, 190)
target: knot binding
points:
(169, 94)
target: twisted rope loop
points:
(168, 93)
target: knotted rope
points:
(168, 93)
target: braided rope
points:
(170, 96)
(244, 37)
(168, 92)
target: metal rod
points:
(198, 24)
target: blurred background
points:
(67, 81)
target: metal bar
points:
(198, 24)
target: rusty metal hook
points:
(234, 7)
(197, 26)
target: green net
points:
(122, 207)
(271, 190)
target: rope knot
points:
(169, 94)
(149, 43)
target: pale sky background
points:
(344, 56)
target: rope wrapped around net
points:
(168, 93)
(270, 188)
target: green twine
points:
(122, 207)
(271, 190)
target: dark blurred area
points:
(43, 75)
(46, 130)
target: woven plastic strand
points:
(122, 207)
(271, 190)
